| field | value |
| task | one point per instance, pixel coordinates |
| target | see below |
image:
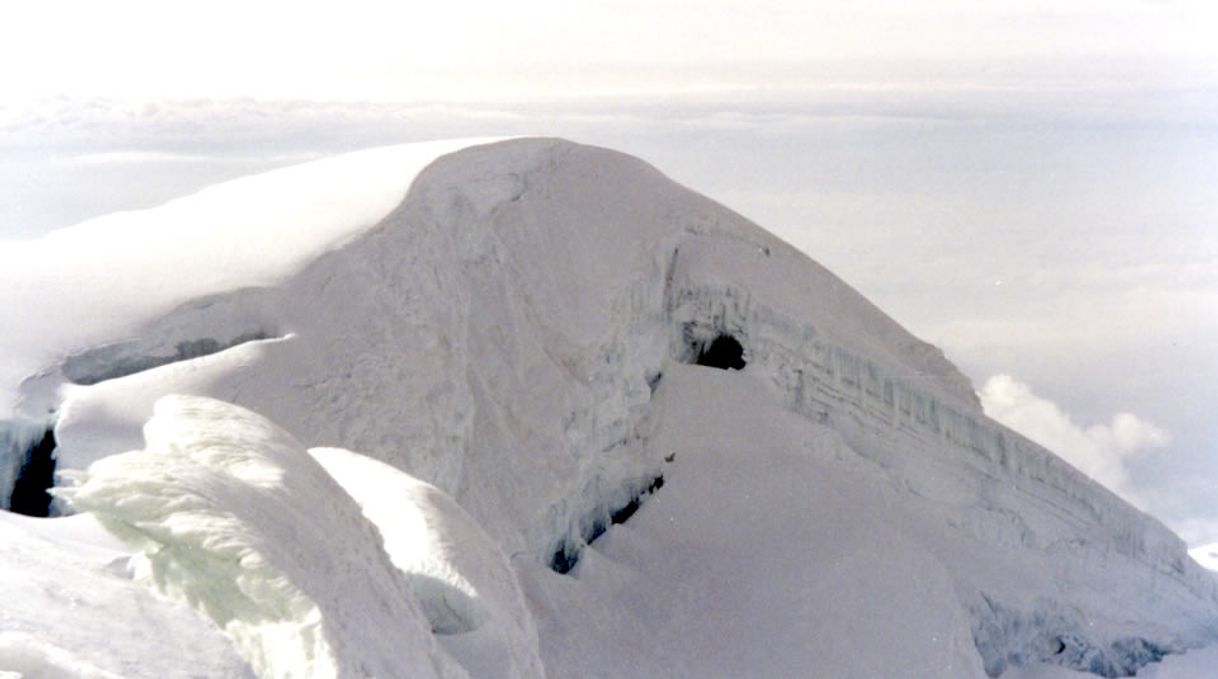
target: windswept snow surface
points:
(511, 327)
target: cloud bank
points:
(1101, 451)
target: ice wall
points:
(993, 487)
(825, 381)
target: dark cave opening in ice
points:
(37, 475)
(724, 352)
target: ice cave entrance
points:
(37, 475)
(724, 352)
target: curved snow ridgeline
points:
(520, 337)
(233, 517)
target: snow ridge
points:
(222, 506)
(463, 582)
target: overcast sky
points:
(1029, 185)
(403, 51)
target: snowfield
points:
(527, 408)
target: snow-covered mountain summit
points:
(522, 338)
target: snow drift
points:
(232, 517)
(532, 328)
(463, 583)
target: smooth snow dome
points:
(465, 365)
(123, 269)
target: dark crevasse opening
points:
(35, 478)
(724, 352)
(567, 555)
(623, 513)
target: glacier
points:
(563, 417)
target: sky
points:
(1028, 185)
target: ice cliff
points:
(524, 331)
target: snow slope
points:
(512, 325)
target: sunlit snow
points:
(522, 409)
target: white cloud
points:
(1102, 451)
(1206, 555)
(162, 157)
(1199, 531)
